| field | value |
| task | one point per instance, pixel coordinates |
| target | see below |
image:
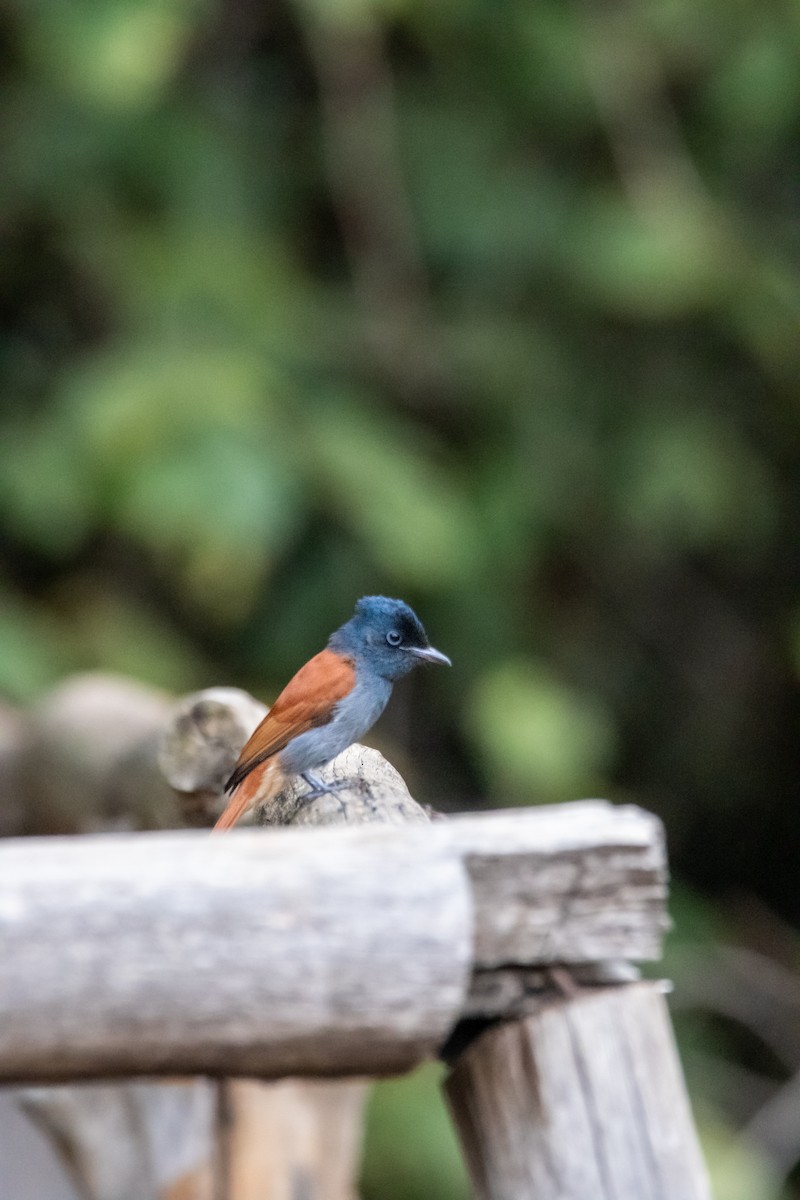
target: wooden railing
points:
(504, 943)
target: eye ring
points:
(394, 638)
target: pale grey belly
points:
(353, 716)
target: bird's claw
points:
(318, 787)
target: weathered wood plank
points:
(583, 1098)
(572, 883)
(314, 952)
(257, 954)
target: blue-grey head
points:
(387, 637)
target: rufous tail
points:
(263, 782)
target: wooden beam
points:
(568, 883)
(252, 953)
(314, 952)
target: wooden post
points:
(292, 1138)
(141, 1139)
(583, 1099)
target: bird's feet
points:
(318, 787)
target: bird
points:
(330, 703)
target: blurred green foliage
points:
(411, 1148)
(494, 307)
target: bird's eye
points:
(394, 638)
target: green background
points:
(493, 306)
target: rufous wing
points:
(308, 700)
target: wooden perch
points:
(317, 952)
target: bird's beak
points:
(428, 654)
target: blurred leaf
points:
(695, 921)
(544, 56)
(489, 214)
(119, 54)
(43, 486)
(217, 510)
(689, 481)
(411, 1149)
(183, 444)
(202, 281)
(115, 632)
(756, 91)
(128, 404)
(738, 1171)
(383, 480)
(675, 258)
(543, 740)
(33, 650)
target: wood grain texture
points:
(571, 883)
(301, 951)
(277, 1133)
(500, 993)
(333, 951)
(89, 762)
(582, 1099)
(330, 951)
